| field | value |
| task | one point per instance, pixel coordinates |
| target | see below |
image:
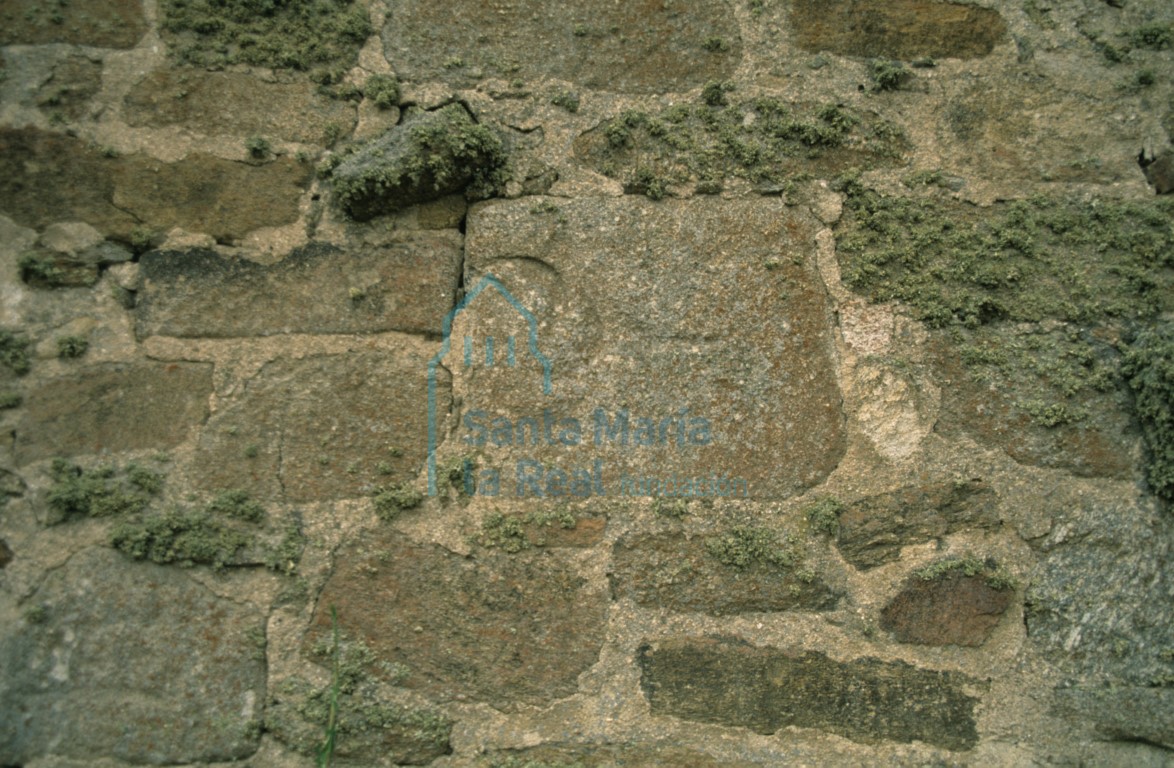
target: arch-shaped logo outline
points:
(446, 333)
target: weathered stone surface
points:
(428, 156)
(896, 29)
(873, 529)
(46, 177)
(953, 609)
(5, 554)
(325, 427)
(609, 756)
(74, 82)
(712, 306)
(729, 682)
(100, 23)
(1122, 713)
(1098, 604)
(201, 193)
(626, 47)
(233, 103)
(675, 572)
(1159, 172)
(135, 662)
(114, 407)
(499, 628)
(407, 284)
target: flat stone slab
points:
(689, 350)
(232, 103)
(324, 427)
(504, 629)
(952, 610)
(625, 47)
(873, 529)
(728, 682)
(131, 661)
(404, 285)
(896, 29)
(113, 408)
(674, 572)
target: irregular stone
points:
(111, 408)
(1098, 604)
(74, 82)
(215, 103)
(428, 156)
(407, 284)
(730, 682)
(71, 237)
(700, 325)
(896, 29)
(324, 427)
(873, 529)
(504, 629)
(1122, 713)
(46, 177)
(1159, 172)
(201, 193)
(193, 692)
(677, 573)
(625, 47)
(98, 23)
(954, 609)
(608, 755)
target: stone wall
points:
(677, 383)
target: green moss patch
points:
(1149, 369)
(744, 546)
(515, 533)
(14, 352)
(762, 139)
(104, 491)
(289, 34)
(1031, 296)
(996, 577)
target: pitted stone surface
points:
(407, 284)
(131, 661)
(625, 47)
(324, 427)
(952, 610)
(114, 407)
(497, 628)
(729, 682)
(666, 317)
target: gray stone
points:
(729, 682)
(873, 529)
(1122, 713)
(626, 47)
(111, 408)
(325, 427)
(407, 284)
(504, 629)
(131, 661)
(644, 310)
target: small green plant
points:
(10, 400)
(188, 537)
(140, 239)
(568, 100)
(99, 492)
(325, 755)
(824, 516)
(1158, 37)
(71, 347)
(676, 508)
(252, 451)
(1145, 78)
(744, 546)
(237, 505)
(382, 90)
(36, 614)
(887, 75)
(258, 147)
(715, 45)
(14, 352)
(714, 93)
(40, 269)
(391, 501)
(996, 577)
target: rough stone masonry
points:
(522, 384)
